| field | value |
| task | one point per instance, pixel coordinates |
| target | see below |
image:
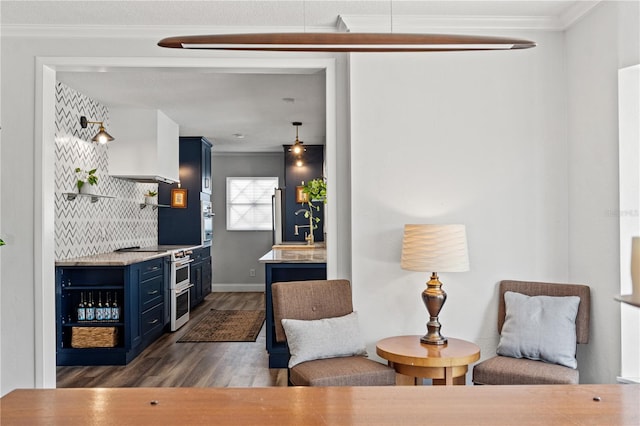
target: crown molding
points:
(345, 23)
(576, 12)
(430, 23)
(141, 31)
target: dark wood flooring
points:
(169, 364)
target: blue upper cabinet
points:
(185, 225)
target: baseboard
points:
(237, 287)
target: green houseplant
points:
(316, 191)
(149, 196)
(85, 176)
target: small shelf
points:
(94, 197)
(88, 287)
(93, 324)
(154, 206)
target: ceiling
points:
(243, 112)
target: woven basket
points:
(94, 337)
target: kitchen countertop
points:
(119, 258)
(316, 255)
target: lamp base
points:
(433, 298)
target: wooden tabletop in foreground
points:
(456, 405)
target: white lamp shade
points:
(435, 248)
(635, 265)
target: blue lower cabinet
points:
(127, 311)
(282, 272)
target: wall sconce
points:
(102, 136)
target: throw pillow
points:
(541, 328)
(323, 338)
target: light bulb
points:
(296, 149)
(299, 163)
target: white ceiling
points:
(260, 107)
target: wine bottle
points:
(106, 310)
(90, 311)
(81, 309)
(99, 309)
(115, 309)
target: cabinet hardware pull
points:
(154, 321)
(152, 292)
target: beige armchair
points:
(324, 305)
(508, 370)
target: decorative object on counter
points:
(150, 197)
(315, 191)
(431, 248)
(102, 137)
(85, 180)
(179, 198)
(297, 149)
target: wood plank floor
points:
(166, 363)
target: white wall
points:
(605, 40)
(476, 138)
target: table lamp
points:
(431, 248)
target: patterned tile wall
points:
(82, 227)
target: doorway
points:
(46, 69)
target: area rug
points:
(225, 326)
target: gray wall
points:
(235, 253)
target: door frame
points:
(44, 226)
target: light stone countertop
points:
(112, 259)
(316, 255)
(122, 258)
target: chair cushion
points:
(344, 371)
(541, 328)
(502, 370)
(323, 338)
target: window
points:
(249, 203)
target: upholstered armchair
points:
(317, 321)
(538, 334)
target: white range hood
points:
(146, 146)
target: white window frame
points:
(252, 205)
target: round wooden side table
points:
(446, 364)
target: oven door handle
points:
(186, 262)
(181, 290)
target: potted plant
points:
(1, 242)
(149, 196)
(316, 191)
(85, 180)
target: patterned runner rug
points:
(225, 326)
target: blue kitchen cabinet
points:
(185, 226)
(201, 275)
(139, 290)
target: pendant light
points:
(297, 149)
(345, 42)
